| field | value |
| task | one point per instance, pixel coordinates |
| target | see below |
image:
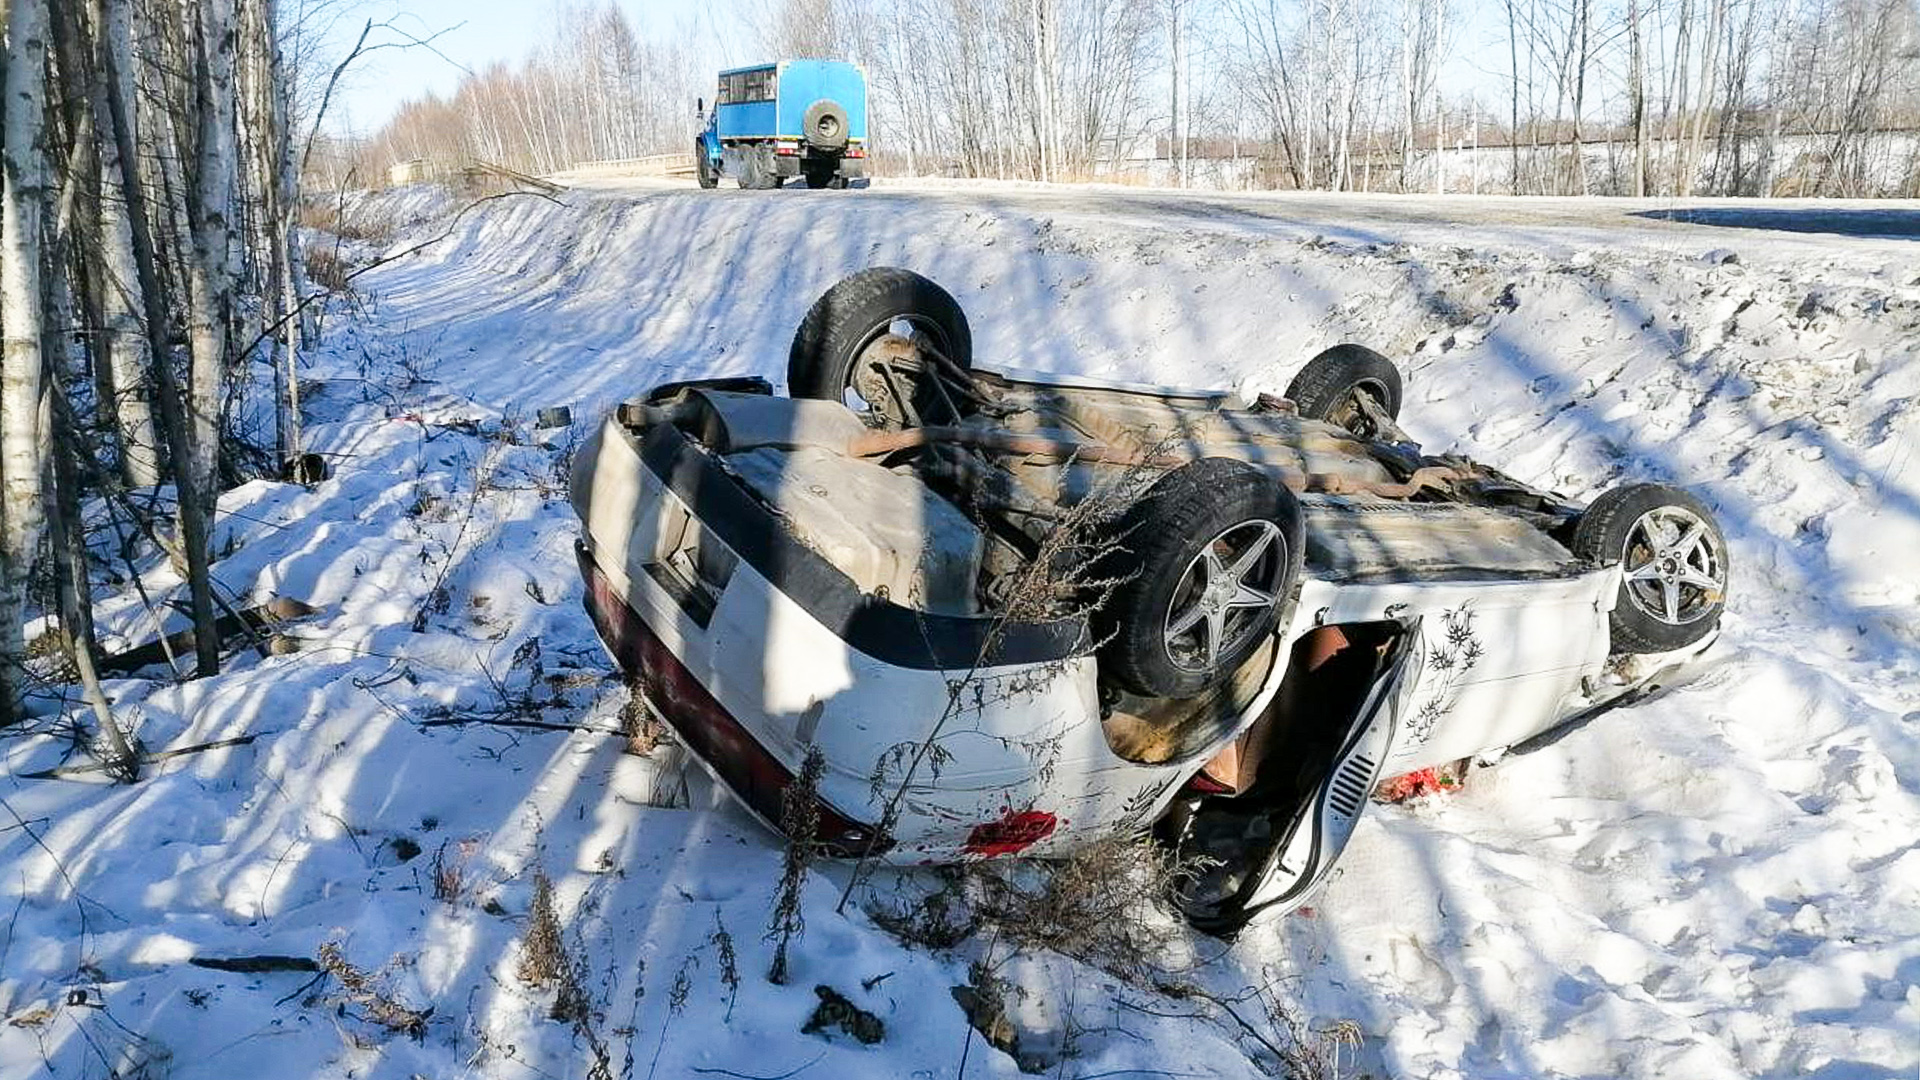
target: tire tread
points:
(1203, 496)
(1326, 378)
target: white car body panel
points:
(785, 623)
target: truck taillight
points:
(855, 151)
(786, 148)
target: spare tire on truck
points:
(825, 125)
(838, 353)
(1210, 554)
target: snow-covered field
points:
(1723, 881)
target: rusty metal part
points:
(1382, 426)
(987, 485)
(891, 352)
(1433, 476)
(881, 443)
(1104, 426)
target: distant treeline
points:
(1327, 90)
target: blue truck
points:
(794, 118)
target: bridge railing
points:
(649, 165)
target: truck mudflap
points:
(1285, 852)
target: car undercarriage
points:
(1014, 613)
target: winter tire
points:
(1325, 388)
(837, 353)
(825, 124)
(1210, 555)
(704, 172)
(1673, 561)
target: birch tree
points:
(23, 433)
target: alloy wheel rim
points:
(1675, 569)
(1222, 593)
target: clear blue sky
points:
(481, 32)
(477, 33)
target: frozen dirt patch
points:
(1721, 881)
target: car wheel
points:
(1673, 561)
(703, 168)
(840, 352)
(1209, 555)
(1326, 388)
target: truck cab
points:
(772, 122)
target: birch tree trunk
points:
(193, 525)
(122, 344)
(23, 449)
(23, 436)
(1703, 102)
(210, 273)
(1637, 96)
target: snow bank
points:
(1721, 881)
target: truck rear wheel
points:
(756, 170)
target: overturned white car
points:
(1014, 615)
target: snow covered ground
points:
(1723, 881)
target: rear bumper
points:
(791, 165)
(778, 653)
(713, 735)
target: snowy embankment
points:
(1723, 881)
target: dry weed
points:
(331, 219)
(1104, 905)
(450, 872)
(327, 269)
(361, 989)
(644, 729)
(543, 953)
(800, 820)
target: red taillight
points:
(1016, 831)
(855, 151)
